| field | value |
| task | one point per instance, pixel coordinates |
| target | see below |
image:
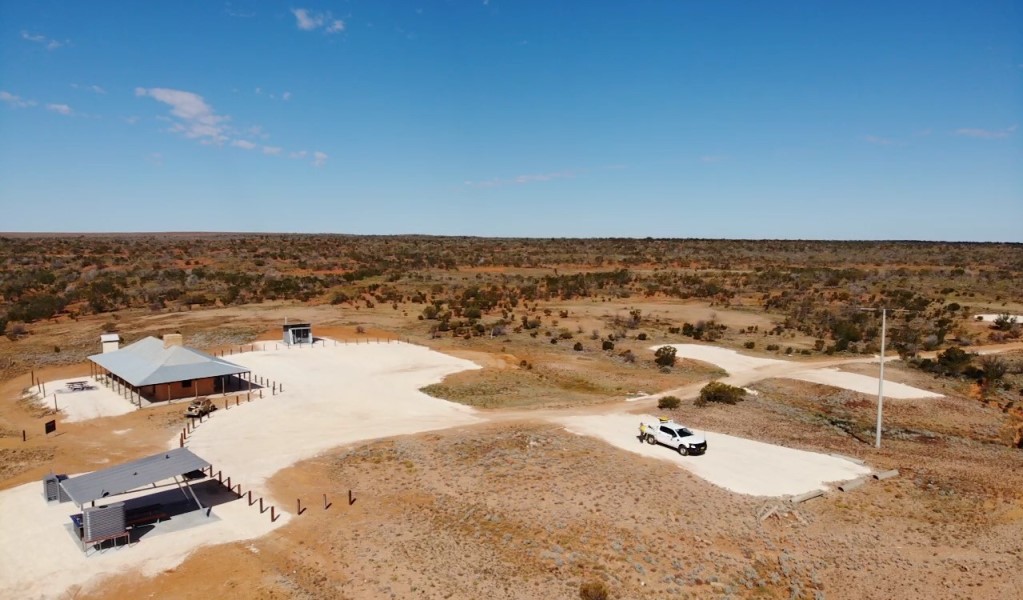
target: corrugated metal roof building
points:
(132, 475)
(165, 369)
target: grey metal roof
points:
(147, 362)
(131, 475)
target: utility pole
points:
(880, 380)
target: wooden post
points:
(351, 499)
(260, 506)
(227, 484)
(325, 504)
(298, 501)
(55, 402)
(24, 436)
(220, 476)
(250, 497)
(181, 441)
(273, 516)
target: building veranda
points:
(159, 370)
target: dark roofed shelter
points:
(134, 475)
(159, 370)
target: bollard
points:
(848, 486)
(807, 496)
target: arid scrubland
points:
(521, 508)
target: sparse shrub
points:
(594, 590)
(641, 337)
(750, 345)
(665, 356)
(607, 345)
(722, 393)
(360, 329)
(668, 403)
(554, 340)
(628, 356)
(773, 347)
(578, 347)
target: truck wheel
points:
(682, 450)
(650, 439)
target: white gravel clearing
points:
(991, 317)
(334, 395)
(736, 464)
(741, 366)
(84, 405)
(861, 383)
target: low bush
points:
(594, 590)
(721, 393)
(668, 403)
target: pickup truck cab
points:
(673, 435)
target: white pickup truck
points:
(673, 435)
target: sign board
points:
(51, 426)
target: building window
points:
(186, 383)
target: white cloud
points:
(38, 38)
(520, 179)
(63, 109)
(194, 118)
(986, 134)
(286, 96)
(319, 159)
(131, 120)
(298, 154)
(15, 101)
(89, 88)
(307, 20)
(272, 150)
(879, 141)
(244, 144)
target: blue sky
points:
(844, 120)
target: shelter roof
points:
(131, 475)
(149, 362)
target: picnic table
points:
(78, 386)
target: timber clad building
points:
(159, 370)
